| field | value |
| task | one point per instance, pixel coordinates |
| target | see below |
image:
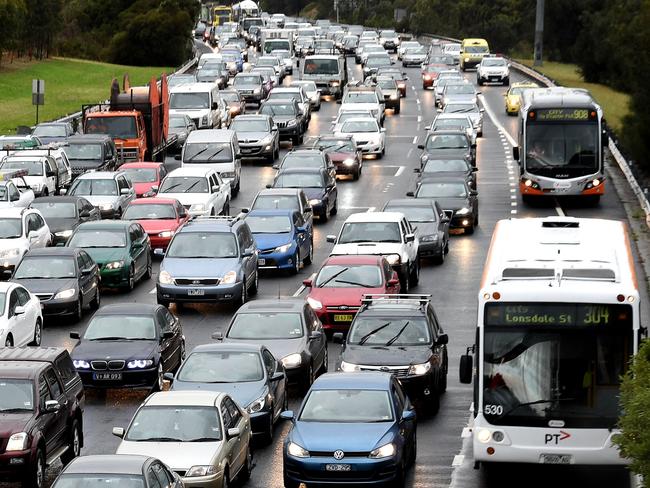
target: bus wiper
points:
(334, 276)
(536, 402)
(390, 343)
(363, 340)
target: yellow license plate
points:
(343, 318)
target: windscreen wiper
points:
(390, 343)
(363, 340)
(334, 276)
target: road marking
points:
(458, 460)
(415, 139)
(399, 171)
(559, 210)
(467, 432)
(152, 291)
(299, 291)
(490, 113)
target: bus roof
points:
(558, 97)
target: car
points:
(199, 189)
(177, 79)
(312, 91)
(374, 61)
(390, 40)
(404, 45)
(64, 213)
(234, 101)
(117, 470)
(429, 221)
(472, 110)
(448, 144)
(456, 198)
(414, 56)
(209, 260)
(345, 414)
(289, 118)
(64, 279)
(129, 345)
(269, 78)
(233, 59)
(430, 73)
(145, 177)
(513, 96)
(181, 125)
(335, 291)
(110, 192)
(57, 152)
(319, 187)
(493, 69)
(452, 49)
(120, 248)
(21, 229)
(53, 131)
(15, 192)
(289, 328)
(392, 96)
(298, 94)
(345, 114)
(21, 319)
(159, 217)
(343, 152)
(213, 72)
(453, 122)
(198, 101)
(364, 98)
(381, 233)
(40, 172)
(349, 45)
(369, 136)
(287, 198)
(458, 93)
(203, 435)
(95, 152)
(307, 158)
(285, 57)
(397, 74)
(10, 143)
(273, 62)
(401, 334)
(369, 49)
(42, 400)
(257, 135)
(441, 82)
(448, 167)
(283, 239)
(250, 374)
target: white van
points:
(199, 101)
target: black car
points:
(250, 87)
(91, 152)
(430, 223)
(307, 158)
(319, 187)
(448, 144)
(248, 373)
(129, 345)
(289, 328)
(53, 131)
(213, 72)
(400, 334)
(288, 117)
(452, 168)
(64, 279)
(64, 213)
(456, 198)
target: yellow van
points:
(472, 52)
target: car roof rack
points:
(9, 174)
(371, 298)
(229, 219)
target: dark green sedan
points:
(120, 248)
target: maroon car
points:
(343, 152)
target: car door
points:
(166, 344)
(239, 446)
(123, 182)
(439, 351)
(85, 280)
(60, 417)
(400, 404)
(51, 175)
(165, 478)
(215, 200)
(48, 420)
(318, 344)
(411, 246)
(137, 250)
(63, 170)
(42, 230)
(89, 211)
(277, 387)
(15, 323)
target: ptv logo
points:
(555, 438)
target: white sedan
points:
(14, 192)
(367, 133)
(21, 319)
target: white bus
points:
(558, 319)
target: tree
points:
(12, 13)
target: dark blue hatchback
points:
(352, 428)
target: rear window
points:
(321, 67)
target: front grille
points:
(362, 143)
(197, 281)
(44, 296)
(266, 251)
(99, 365)
(331, 454)
(399, 371)
(116, 365)
(343, 309)
(281, 124)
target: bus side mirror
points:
(466, 369)
(515, 153)
(604, 139)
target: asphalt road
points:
(441, 459)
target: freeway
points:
(443, 459)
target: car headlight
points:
(139, 363)
(166, 233)
(81, 364)
(10, 253)
(63, 233)
(463, 211)
(197, 207)
(36, 187)
(394, 97)
(402, 84)
(315, 201)
(348, 162)
(466, 60)
(227, 174)
(69, 293)
(200, 471)
(283, 248)
(18, 442)
(387, 450)
(115, 265)
(106, 206)
(204, 120)
(292, 123)
(295, 450)
(258, 404)
(229, 278)
(349, 367)
(292, 360)
(393, 259)
(314, 304)
(257, 91)
(165, 278)
(419, 369)
(334, 83)
(428, 238)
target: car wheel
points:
(226, 209)
(96, 302)
(440, 258)
(356, 174)
(276, 154)
(131, 283)
(404, 283)
(398, 109)
(38, 334)
(309, 378)
(79, 309)
(235, 190)
(323, 215)
(296, 263)
(325, 366)
(267, 435)
(247, 468)
(36, 478)
(158, 384)
(243, 298)
(45, 191)
(415, 274)
(256, 284)
(226, 480)
(335, 208)
(164, 303)
(310, 257)
(447, 247)
(433, 401)
(9, 341)
(442, 382)
(149, 271)
(74, 448)
(182, 355)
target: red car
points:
(144, 176)
(435, 65)
(160, 218)
(343, 152)
(336, 291)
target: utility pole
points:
(539, 33)
(336, 7)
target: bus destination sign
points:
(557, 314)
(561, 114)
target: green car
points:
(120, 248)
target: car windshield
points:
(276, 201)
(269, 224)
(323, 66)
(104, 480)
(244, 125)
(283, 95)
(150, 211)
(118, 127)
(10, 228)
(33, 168)
(309, 86)
(278, 109)
(349, 276)
(360, 126)
(335, 145)
(126, 327)
(389, 331)
(94, 186)
(493, 62)
(98, 238)
(15, 394)
(376, 61)
(266, 325)
(141, 175)
(455, 123)
(264, 61)
(446, 141)
(49, 131)
(387, 84)
(56, 210)
(415, 50)
(414, 213)
(370, 232)
(302, 160)
(195, 245)
(445, 165)
(299, 180)
(208, 74)
(189, 100)
(460, 108)
(476, 49)
(442, 190)
(347, 406)
(460, 89)
(171, 423)
(360, 97)
(196, 152)
(349, 114)
(222, 367)
(229, 96)
(46, 267)
(184, 184)
(84, 151)
(247, 80)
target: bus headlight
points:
(484, 436)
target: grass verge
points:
(69, 83)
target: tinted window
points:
(53, 383)
(266, 326)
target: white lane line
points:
(493, 117)
(152, 291)
(408, 154)
(417, 100)
(400, 171)
(467, 432)
(299, 291)
(415, 139)
(559, 210)
(458, 460)
(419, 118)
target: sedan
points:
(234, 101)
(181, 125)
(459, 93)
(311, 90)
(448, 167)
(454, 122)
(20, 324)
(159, 217)
(258, 136)
(351, 428)
(145, 177)
(472, 110)
(414, 56)
(64, 214)
(129, 345)
(319, 187)
(392, 95)
(307, 158)
(64, 279)
(289, 328)
(343, 152)
(448, 144)
(249, 373)
(367, 133)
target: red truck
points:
(136, 118)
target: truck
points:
(136, 118)
(276, 39)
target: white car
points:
(109, 191)
(41, 172)
(21, 319)
(14, 190)
(367, 133)
(493, 70)
(404, 46)
(285, 57)
(344, 115)
(371, 49)
(414, 56)
(21, 229)
(364, 98)
(311, 90)
(296, 92)
(273, 62)
(200, 190)
(454, 121)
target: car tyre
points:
(308, 380)
(79, 309)
(433, 402)
(97, 301)
(36, 478)
(74, 449)
(149, 270)
(310, 256)
(335, 208)
(290, 483)
(9, 341)
(414, 278)
(158, 384)
(235, 190)
(131, 284)
(398, 108)
(357, 174)
(440, 258)
(325, 366)
(256, 284)
(226, 209)
(296, 265)
(38, 333)
(267, 435)
(247, 468)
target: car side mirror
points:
(338, 338)
(245, 210)
(276, 166)
(515, 153)
(124, 191)
(408, 415)
(473, 193)
(330, 238)
(75, 335)
(63, 191)
(417, 170)
(247, 253)
(168, 334)
(19, 310)
(410, 237)
(169, 377)
(445, 220)
(339, 102)
(420, 146)
(232, 433)
(274, 128)
(159, 252)
(218, 336)
(442, 340)
(474, 170)
(287, 415)
(52, 406)
(177, 157)
(466, 369)
(308, 282)
(87, 271)
(410, 194)
(118, 432)
(277, 376)
(308, 210)
(269, 186)
(155, 188)
(315, 335)
(383, 129)
(481, 110)
(84, 214)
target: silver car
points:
(111, 192)
(472, 110)
(181, 125)
(311, 90)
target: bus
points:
(560, 147)
(244, 9)
(558, 320)
(221, 14)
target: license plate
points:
(338, 467)
(107, 376)
(196, 293)
(343, 318)
(261, 262)
(555, 459)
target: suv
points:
(43, 401)
(201, 190)
(209, 259)
(493, 69)
(399, 334)
(21, 229)
(387, 233)
(287, 115)
(43, 176)
(91, 152)
(250, 87)
(110, 192)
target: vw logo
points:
(338, 455)
(344, 307)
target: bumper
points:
(15, 465)
(427, 82)
(108, 214)
(493, 78)
(59, 307)
(362, 471)
(159, 242)
(277, 260)
(213, 481)
(195, 294)
(252, 150)
(289, 132)
(141, 378)
(327, 318)
(462, 221)
(260, 422)
(430, 248)
(418, 387)
(329, 89)
(550, 191)
(344, 169)
(370, 148)
(115, 277)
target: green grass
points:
(69, 83)
(615, 104)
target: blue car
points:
(351, 428)
(283, 238)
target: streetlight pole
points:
(336, 7)
(539, 33)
